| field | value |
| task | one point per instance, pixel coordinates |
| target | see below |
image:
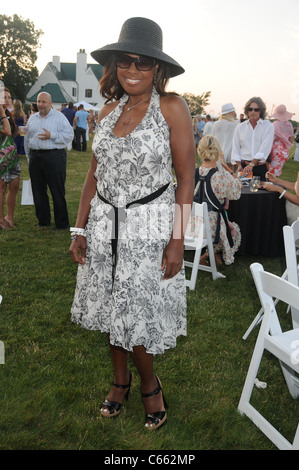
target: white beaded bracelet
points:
(282, 194)
(77, 231)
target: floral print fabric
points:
(224, 186)
(133, 304)
(279, 156)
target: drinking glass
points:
(255, 183)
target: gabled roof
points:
(58, 94)
(97, 70)
(68, 70)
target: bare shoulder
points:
(172, 103)
(107, 109)
(174, 108)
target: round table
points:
(261, 217)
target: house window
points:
(74, 92)
(88, 93)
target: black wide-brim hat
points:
(140, 36)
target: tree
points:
(19, 80)
(197, 103)
(19, 41)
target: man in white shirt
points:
(207, 130)
(253, 140)
(48, 133)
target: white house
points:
(69, 82)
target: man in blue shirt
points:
(200, 125)
(80, 121)
(48, 133)
(69, 113)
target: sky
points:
(236, 49)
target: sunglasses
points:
(141, 63)
(254, 109)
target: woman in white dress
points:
(130, 281)
(286, 190)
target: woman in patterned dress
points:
(283, 139)
(10, 180)
(131, 281)
(225, 186)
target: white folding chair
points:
(283, 345)
(291, 244)
(197, 237)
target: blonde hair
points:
(228, 117)
(18, 111)
(209, 148)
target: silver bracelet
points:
(282, 194)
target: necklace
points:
(136, 104)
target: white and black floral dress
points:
(129, 298)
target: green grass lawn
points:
(56, 374)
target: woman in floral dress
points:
(130, 281)
(10, 179)
(283, 139)
(224, 186)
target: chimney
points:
(56, 62)
(81, 61)
(81, 72)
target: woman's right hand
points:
(272, 178)
(78, 250)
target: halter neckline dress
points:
(131, 302)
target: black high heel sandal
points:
(113, 406)
(157, 419)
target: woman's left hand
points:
(173, 258)
(78, 250)
(271, 187)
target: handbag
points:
(8, 154)
(27, 197)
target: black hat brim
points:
(133, 47)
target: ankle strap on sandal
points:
(154, 392)
(124, 386)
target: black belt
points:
(43, 150)
(117, 214)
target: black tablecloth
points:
(261, 217)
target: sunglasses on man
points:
(142, 63)
(254, 109)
